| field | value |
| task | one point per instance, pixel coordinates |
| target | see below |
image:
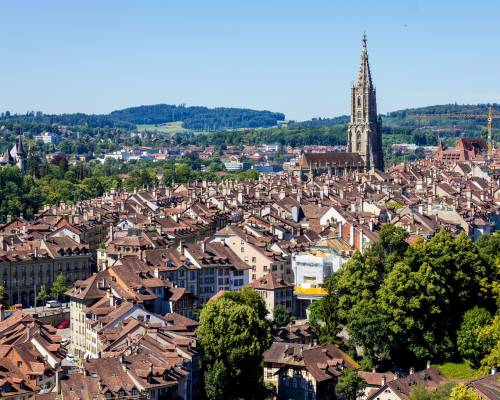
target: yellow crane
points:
(488, 116)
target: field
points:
(170, 127)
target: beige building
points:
(255, 253)
(25, 267)
(274, 291)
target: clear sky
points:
(298, 57)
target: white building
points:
(48, 138)
(311, 268)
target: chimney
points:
(384, 381)
(2, 312)
(428, 364)
(412, 370)
(494, 371)
(203, 247)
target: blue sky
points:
(297, 57)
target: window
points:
(359, 101)
(242, 249)
(254, 259)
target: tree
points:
(281, 316)
(59, 287)
(368, 326)
(488, 339)
(420, 392)
(216, 380)
(393, 239)
(461, 392)
(3, 296)
(350, 385)
(323, 315)
(43, 295)
(234, 336)
(249, 297)
(467, 334)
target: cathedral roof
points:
(322, 160)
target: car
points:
(53, 304)
(63, 325)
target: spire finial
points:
(364, 40)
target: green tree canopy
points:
(405, 303)
(281, 316)
(43, 294)
(461, 392)
(3, 296)
(350, 385)
(249, 297)
(233, 338)
(472, 322)
(420, 392)
(59, 287)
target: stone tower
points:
(364, 134)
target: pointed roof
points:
(364, 76)
(20, 147)
(7, 158)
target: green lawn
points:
(170, 127)
(461, 370)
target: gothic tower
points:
(364, 132)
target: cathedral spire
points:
(365, 76)
(364, 132)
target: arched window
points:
(359, 101)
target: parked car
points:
(53, 304)
(63, 325)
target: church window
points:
(359, 115)
(358, 141)
(359, 101)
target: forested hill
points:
(407, 118)
(193, 117)
(199, 118)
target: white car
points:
(53, 304)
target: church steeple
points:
(365, 127)
(364, 76)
